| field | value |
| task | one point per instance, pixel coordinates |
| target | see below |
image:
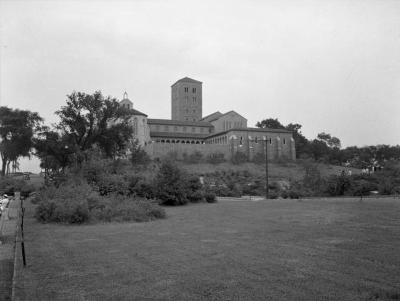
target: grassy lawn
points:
(336, 249)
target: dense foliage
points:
(9, 185)
(87, 122)
(17, 129)
(326, 148)
(77, 203)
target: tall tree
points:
(91, 119)
(17, 128)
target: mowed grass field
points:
(320, 249)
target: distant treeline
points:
(327, 149)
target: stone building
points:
(187, 131)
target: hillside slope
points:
(277, 171)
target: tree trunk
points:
(3, 167)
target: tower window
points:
(187, 99)
(194, 90)
(186, 89)
(284, 141)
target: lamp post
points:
(266, 169)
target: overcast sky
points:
(331, 66)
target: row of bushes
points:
(168, 184)
(101, 192)
(79, 203)
(10, 185)
(238, 183)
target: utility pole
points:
(266, 169)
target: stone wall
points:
(276, 148)
(160, 150)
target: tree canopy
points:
(327, 148)
(17, 129)
(87, 121)
(270, 123)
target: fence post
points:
(17, 197)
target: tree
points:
(270, 123)
(330, 141)
(301, 142)
(17, 128)
(319, 149)
(91, 119)
(170, 184)
(53, 150)
(138, 154)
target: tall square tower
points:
(186, 100)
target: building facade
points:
(188, 132)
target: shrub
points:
(170, 184)
(9, 185)
(93, 170)
(210, 197)
(141, 187)
(337, 185)
(113, 184)
(294, 194)
(126, 209)
(255, 188)
(139, 156)
(273, 194)
(216, 158)
(195, 196)
(61, 211)
(194, 188)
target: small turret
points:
(125, 102)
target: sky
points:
(331, 66)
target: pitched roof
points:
(187, 80)
(136, 112)
(212, 116)
(178, 122)
(177, 135)
(232, 111)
